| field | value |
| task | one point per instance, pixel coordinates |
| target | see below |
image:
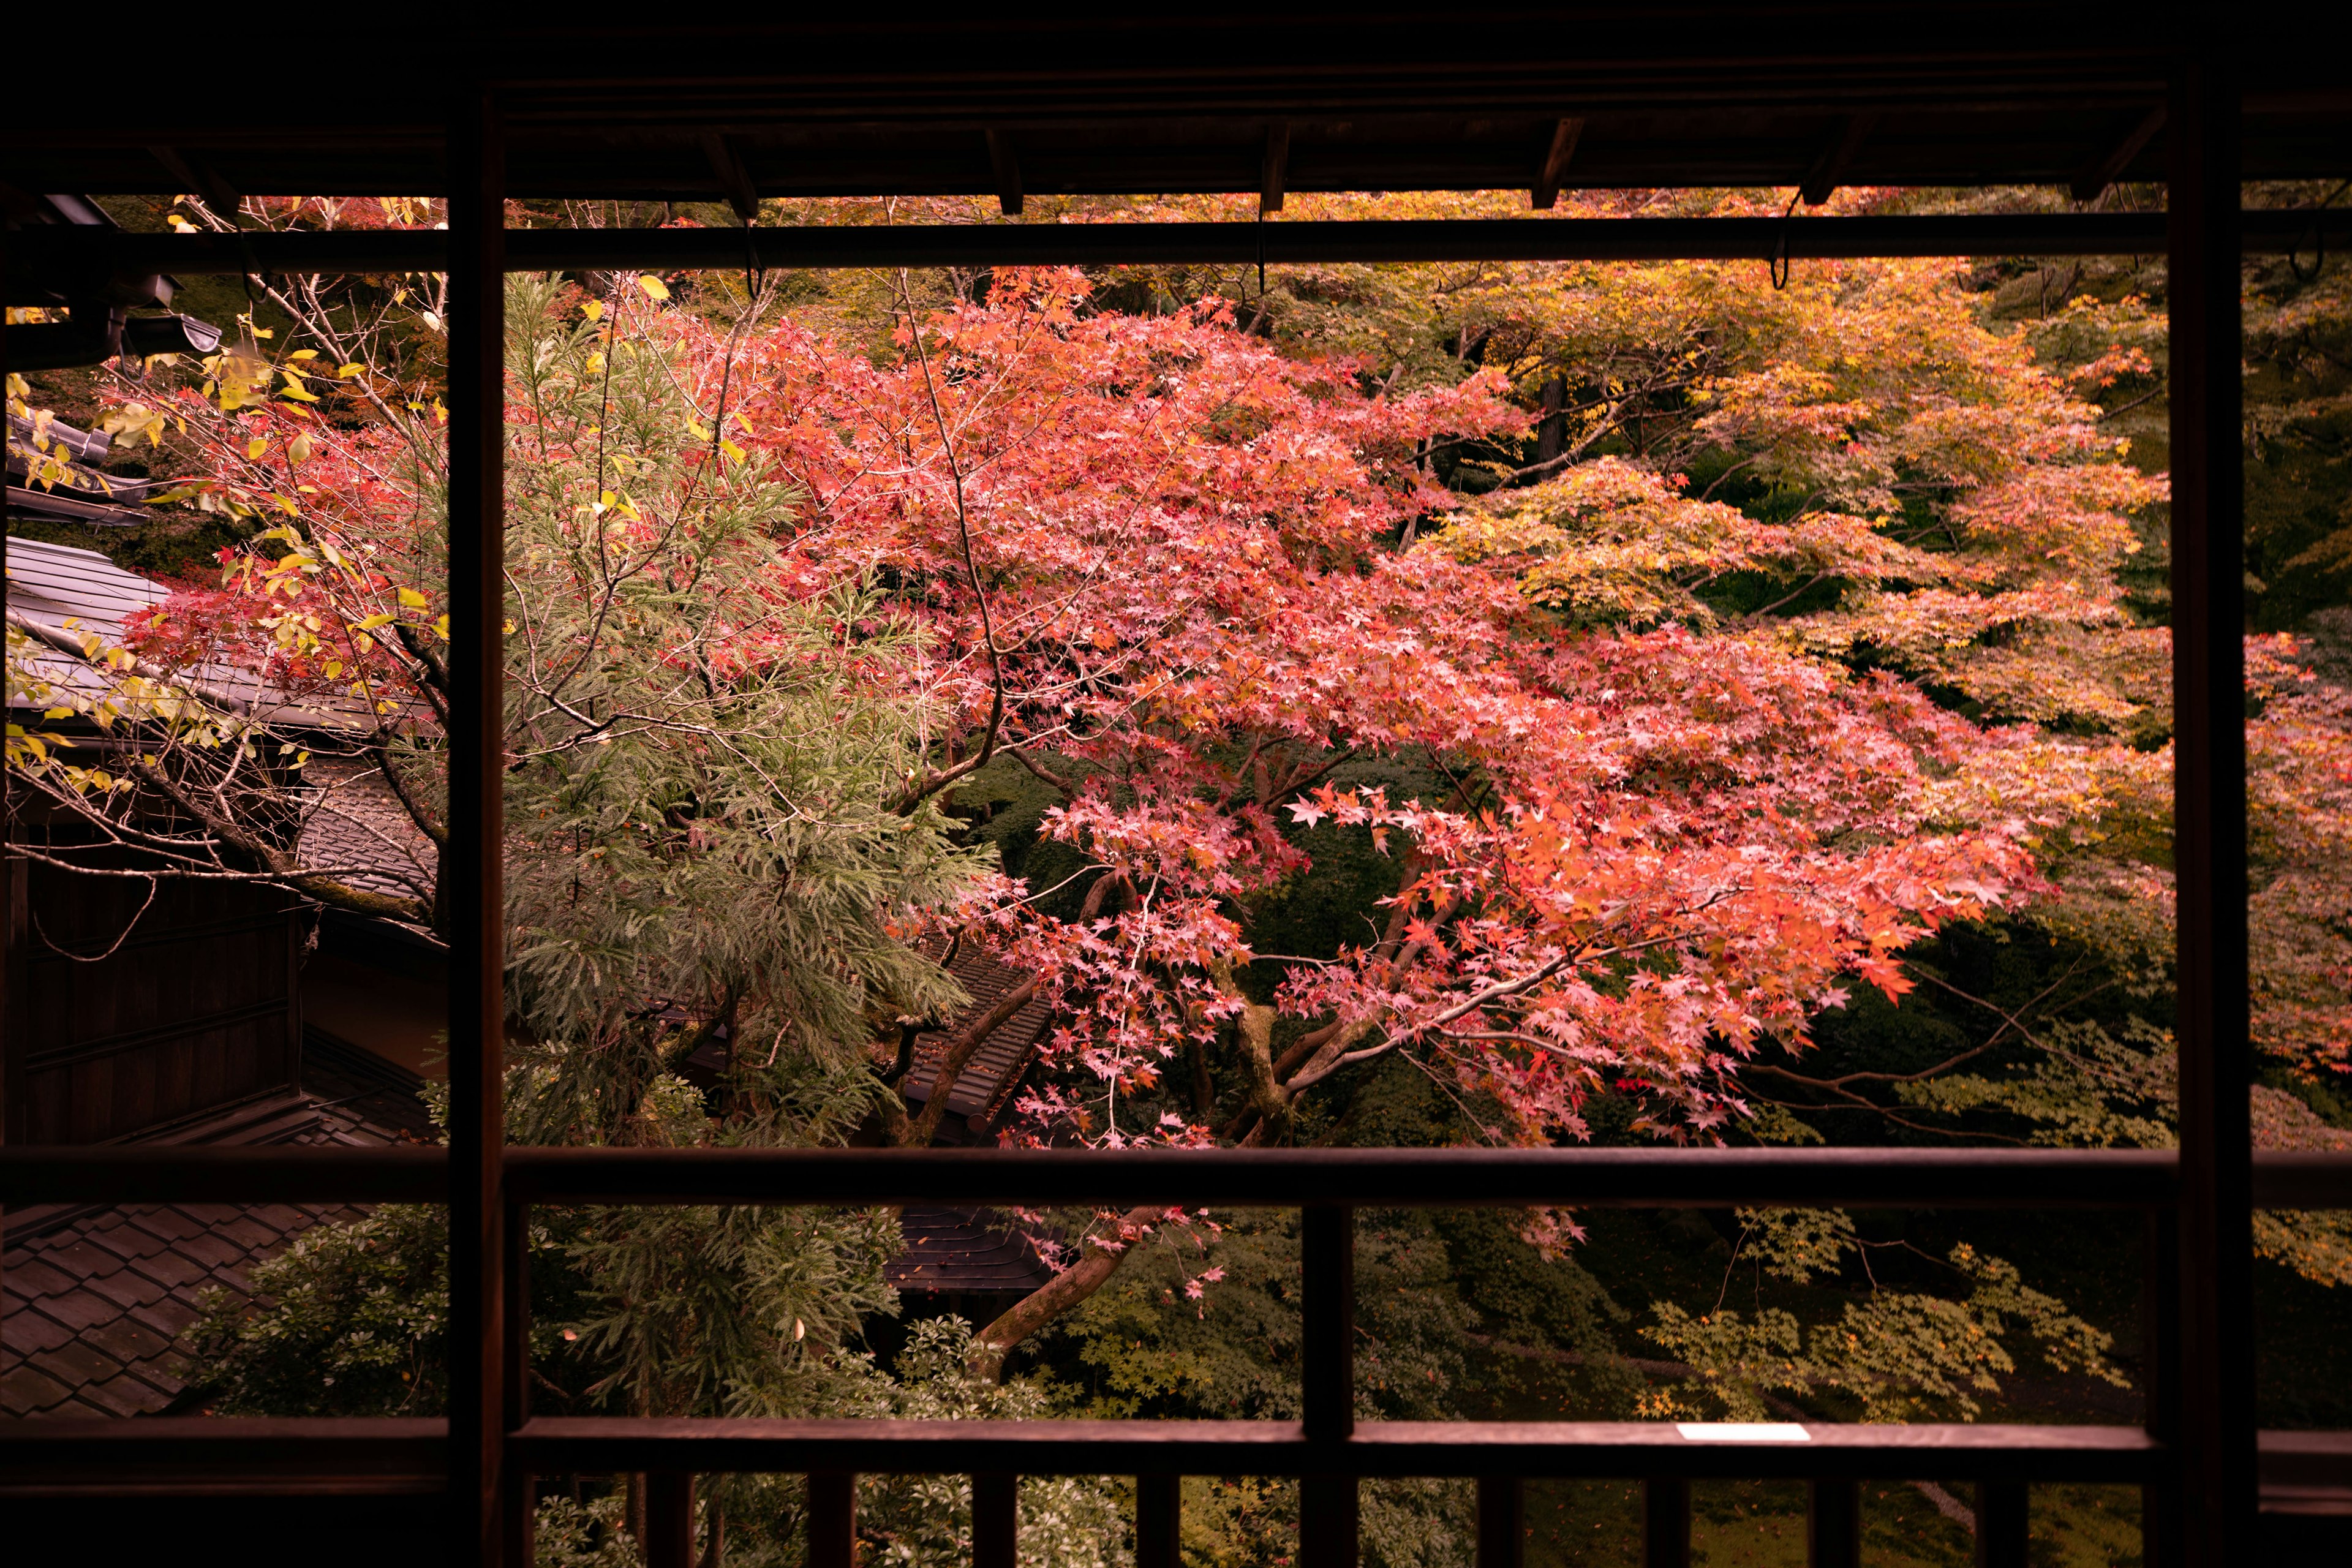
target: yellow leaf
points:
(255, 447)
(410, 599)
(595, 364)
(304, 354)
(593, 309)
(441, 628)
(299, 395)
(372, 623)
(653, 287)
(348, 371)
(300, 447)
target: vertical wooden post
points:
(1665, 1522)
(1502, 1521)
(470, 889)
(2159, 1357)
(2216, 1369)
(832, 1519)
(1328, 1495)
(12, 1044)
(1833, 1525)
(519, 1509)
(2002, 1518)
(1328, 1521)
(670, 1519)
(995, 1520)
(1159, 1521)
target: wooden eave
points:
(1394, 98)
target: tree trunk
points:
(1551, 435)
(1066, 1290)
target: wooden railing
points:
(1327, 1449)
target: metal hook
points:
(2318, 240)
(1777, 264)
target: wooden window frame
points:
(2196, 1457)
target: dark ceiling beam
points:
(1005, 165)
(202, 178)
(41, 252)
(1557, 158)
(2100, 173)
(1274, 170)
(1829, 170)
(734, 180)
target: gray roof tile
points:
(27, 1392)
(89, 1333)
(988, 1079)
(23, 1330)
(964, 1249)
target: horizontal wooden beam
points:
(45, 1173)
(1259, 1178)
(1429, 1178)
(267, 1456)
(41, 252)
(1620, 1449)
(277, 1456)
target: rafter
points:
(1005, 164)
(1557, 158)
(1829, 170)
(734, 180)
(200, 177)
(1277, 167)
(2101, 171)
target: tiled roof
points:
(964, 1250)
(98, 1310)
(97, 1301)
(988, 1080)
(52, 584)
(356, 828)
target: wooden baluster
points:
(832, 1519)
(1833, 1525)
(1502, 1521)
(995, 1520)
(670, 1519)
(1327, 1500)
(1665, 1522)
(1159, 1521)
(2001, 1517)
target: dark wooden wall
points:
(120, 1020)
